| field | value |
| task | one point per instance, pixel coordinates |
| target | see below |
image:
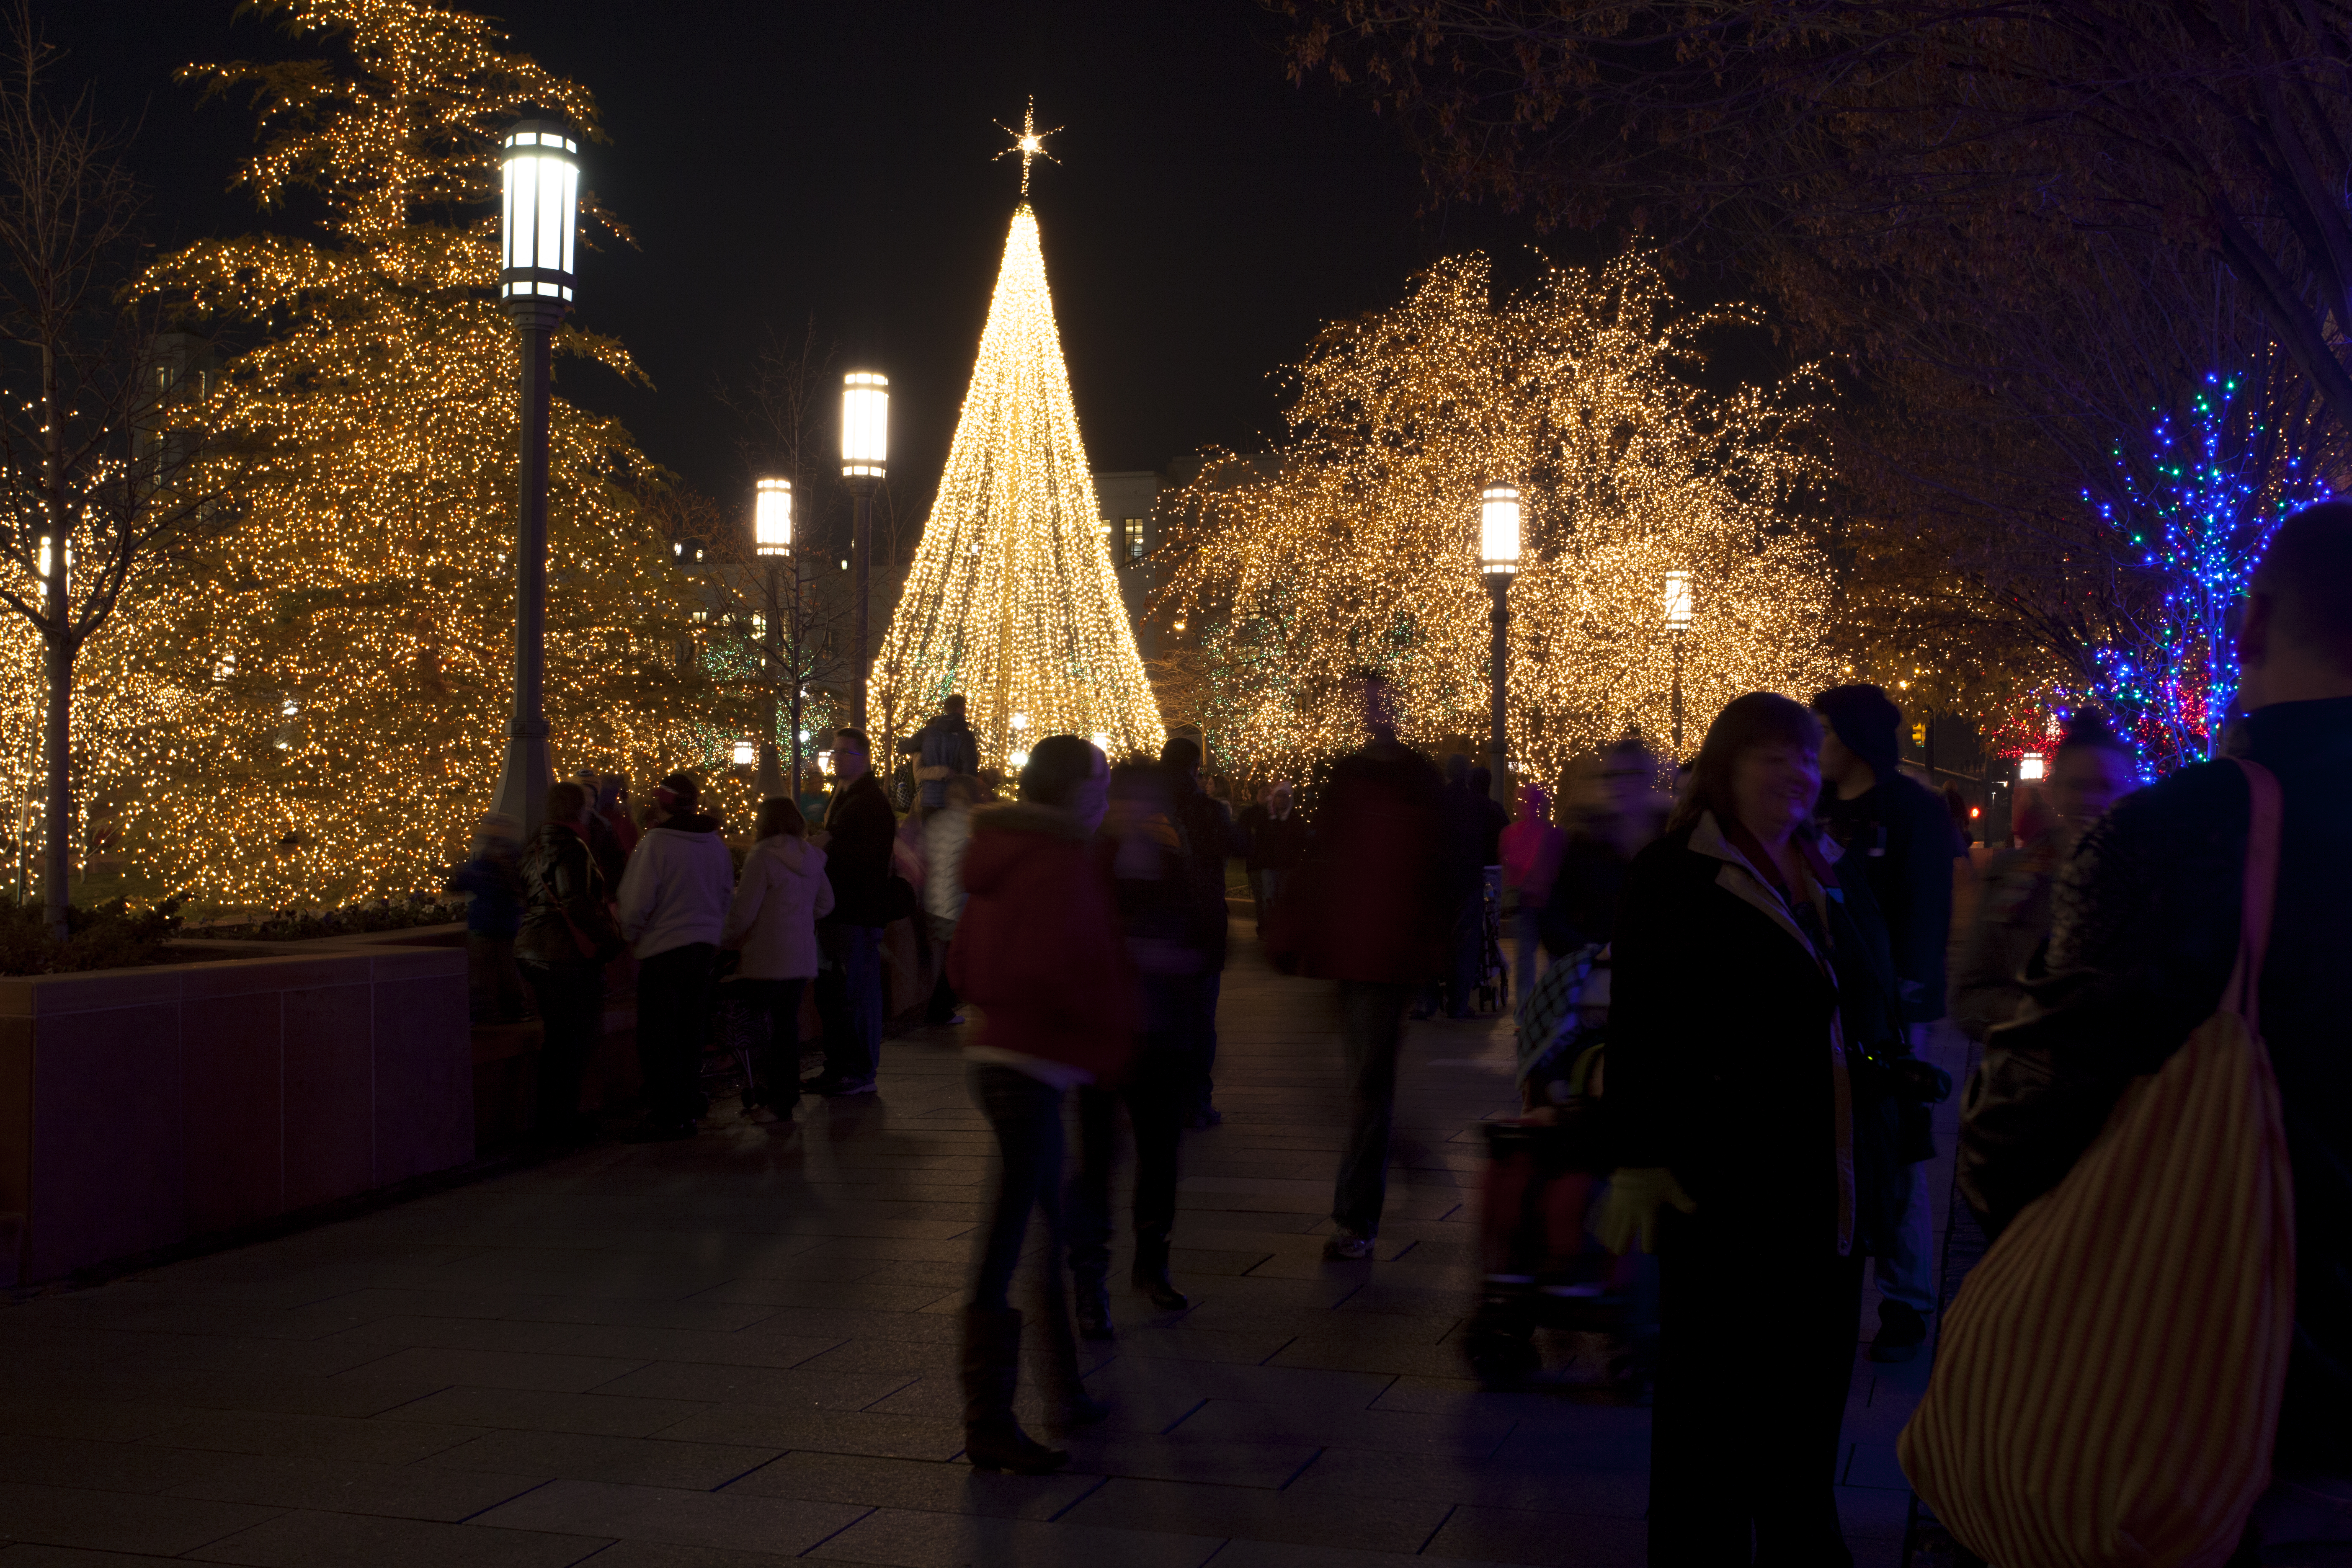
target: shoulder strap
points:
(2244, 995)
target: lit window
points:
(2029, 767)
(1131, 535)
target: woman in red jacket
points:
(1038, 949)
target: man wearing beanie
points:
(1900, 834)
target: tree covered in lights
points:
(1012, 598)
(336, 667)
(2185, 521)
(1357, 544)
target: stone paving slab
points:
(740, 1350)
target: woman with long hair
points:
(781, 895)
(1751, 984)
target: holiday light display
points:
(2191, 518)
(335, 665)
(1362, 546)
(1012, 598)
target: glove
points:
(1629, 1214)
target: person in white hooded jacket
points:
(778, 901)
(672, 907)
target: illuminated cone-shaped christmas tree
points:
(1012, 599)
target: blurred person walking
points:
(2145, 935)
(1278, 845)
(1614, 810)
(1206, 828)
(946, 834)
(944, 749)
(491, 879)
(673, 906)
(1150, 880)
(860, 828)
(1898, 833)
(1750, 979)
(779, 896)
(2092, 769)
(1531, 848)
(1039, 949)
(567, 937)
(1368, 913)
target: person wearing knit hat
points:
(1898, 831)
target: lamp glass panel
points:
(771, 517)
(1678, 602)
(1498, 531)
(545, 249)
(571, 214)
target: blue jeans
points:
(1906, 1269)
(849, 1000)
(1372, 1023)
(1026, 1114)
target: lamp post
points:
(772, 539)
(537, 230)
(1678, 619)
(865, 457)
(1498, 560)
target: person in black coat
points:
(859, 828)
(1752, 1017)
(1206, 828)
(2145, 935)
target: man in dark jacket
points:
(1207, 830)
(1900, 836)
(859, 828)
(1367, 913)
(2145, 935)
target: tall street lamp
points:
(1498, 560)
(865, 457)
(772, 539)
(1678, 605)
(538, 229)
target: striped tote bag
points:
(2106, 1389)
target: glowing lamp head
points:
(865, 425)
(1499, 531)
(744, 754)
(772, 518)
(1679, 602)
(1018, 759)
(540, 230)
(1021, 721)
(2030, 768)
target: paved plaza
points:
(739, 1350)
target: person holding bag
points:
(566, 939)
(1751, 991)
(781, 895)
(2153, 1362)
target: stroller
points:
(1545, 1170)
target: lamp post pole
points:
(772, 539)
(1678, 693)
(543, 183)
(1498, 549)
(865, 456)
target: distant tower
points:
(1012, 598)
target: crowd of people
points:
(1775, 930)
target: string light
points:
(312, 704)
(1362, 545)
(1012, 598)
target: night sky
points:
(786, 162)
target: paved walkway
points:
(741, 1349)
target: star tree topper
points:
(1029, 142)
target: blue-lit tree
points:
(2184, 521)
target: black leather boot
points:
(1152, 1272)
(1091, 1301)
(992, 1438)
(1066, 1394)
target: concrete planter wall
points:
(140, 1108)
